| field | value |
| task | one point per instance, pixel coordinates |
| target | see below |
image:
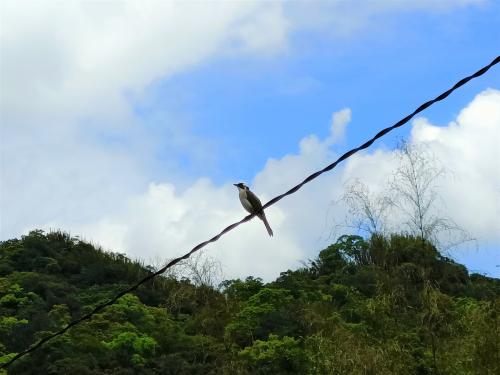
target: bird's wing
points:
(254, 201)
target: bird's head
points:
(241, 186)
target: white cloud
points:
(61, 60)
(74, 155)
(163, 222)
(67, 59)
(70, 139)
(469, 147)
(339, 122)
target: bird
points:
(252, 204)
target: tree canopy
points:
(377, 305)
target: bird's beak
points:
(235, 185)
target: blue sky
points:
(126, 123)
(381, 75)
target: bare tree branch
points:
(411, 193)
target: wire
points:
(248, 217)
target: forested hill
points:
(363, 306)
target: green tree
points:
(275, 356)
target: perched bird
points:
(252, 204)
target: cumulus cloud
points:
(71, 142)
(64, 59)
(163, 222)
(469, 148)
(80, 57)
(75, 156)
(339, 122)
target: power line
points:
(248, 217)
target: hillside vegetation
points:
(382, 305)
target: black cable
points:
(248, 217)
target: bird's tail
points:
(262, 216)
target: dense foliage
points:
(364, 306)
